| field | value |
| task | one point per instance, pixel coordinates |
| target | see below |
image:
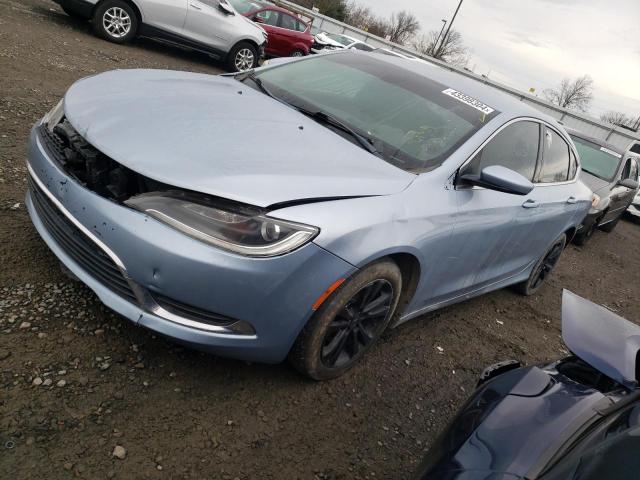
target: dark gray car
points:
(613, 178)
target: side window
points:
(630, 169)
(288, 22)
(555, 165)
(269, 17)
(573, 166)
(301, 26)
(515, 147)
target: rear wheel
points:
(115, 21)
(297, 53)
(543, 268)
(348, 324)
(608, 227)
(243, 56)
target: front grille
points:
(189, 311)
(79, 246)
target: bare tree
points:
(452, 51)
(359, 16)
(402, 27)
(616, 118)
(575, 94)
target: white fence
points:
(617, 136)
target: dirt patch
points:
(77, 380)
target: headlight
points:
(54, 115)
(595, 200)
(242, 232)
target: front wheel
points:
(243, 56)
(297, 53)
(115, 21)
(608, 227)
(543, 267)
(347, 325)
(585, 234)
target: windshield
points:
(597, 160)
(245, 6)
(413, 122)
(339, 38)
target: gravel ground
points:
(83, 393)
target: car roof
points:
(487, 94)
(603, 143)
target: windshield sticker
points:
(610, 152)
(472, 102)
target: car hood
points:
(214, 135)
(596, 184)
(323, 39)
(486, 434)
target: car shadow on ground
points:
(161, 48)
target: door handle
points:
(530, 204)
(194, 6)
(572, 200)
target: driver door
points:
(492, 232)
(621, 196)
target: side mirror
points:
(502, 179)
(629, 183)
(226, 8)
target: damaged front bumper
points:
(171, 283)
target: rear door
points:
(206, 23)
(293, 39)
(168, 15)
(493, 229)
(552, 202)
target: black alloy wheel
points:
(547, 265)
(349, 322)
(543, 268)
(356, 326)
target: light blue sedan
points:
(301, 209)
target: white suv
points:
(209, 26)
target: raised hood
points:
(604, 340)
(217, 136)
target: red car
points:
(288, 34)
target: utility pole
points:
(444, 39)
(435, 45)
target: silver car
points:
(301, 209)
(209, 26)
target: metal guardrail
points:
(615, 135)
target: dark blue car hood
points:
(515, 424)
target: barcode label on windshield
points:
(472, 102)
(611, 152)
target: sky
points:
(537, 43)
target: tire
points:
(543, 267)
(239, 58)
(297, 53)
(115, 21)
(609, 227)
(339, 324)
(583, 237)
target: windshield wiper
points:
(328, 119)
(251, 75)
(320, 116)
